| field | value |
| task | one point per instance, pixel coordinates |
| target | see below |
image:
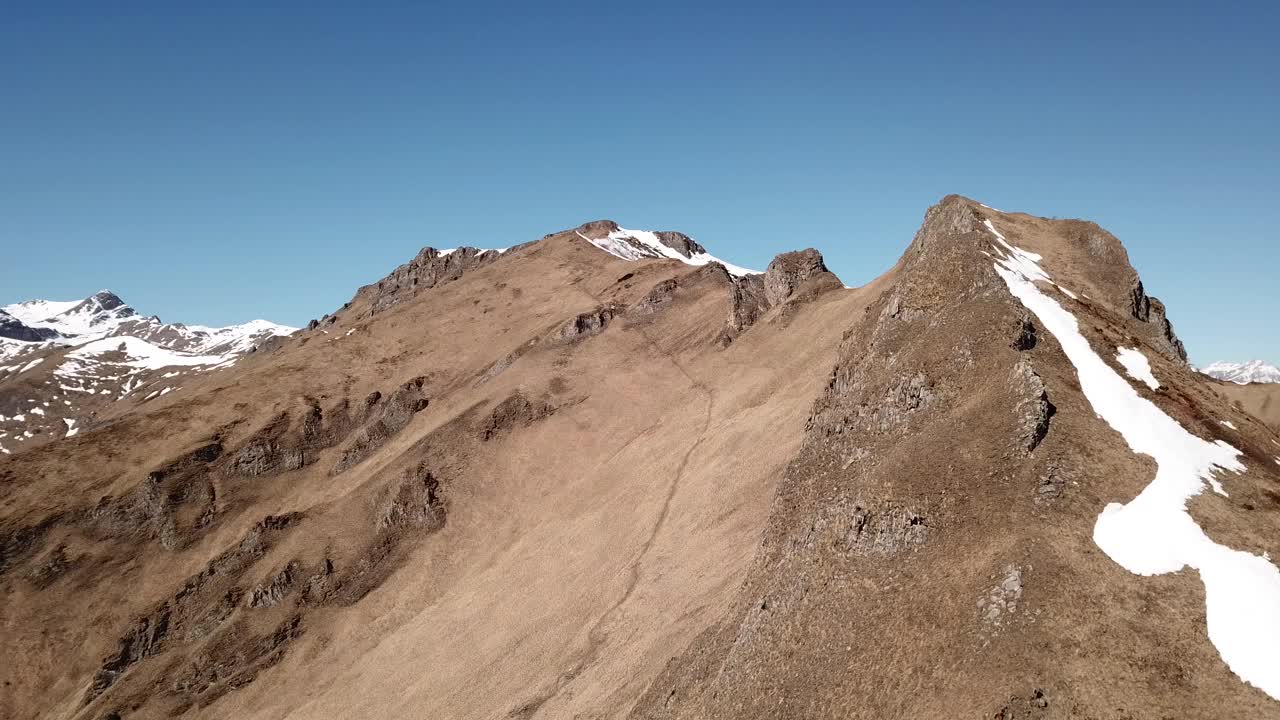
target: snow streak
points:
(1153, 534)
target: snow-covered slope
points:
(62, 363)
(1254, 371)
(642, 244)
(95, 316)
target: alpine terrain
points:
(64, 363)
(1254, 371)
(605, 474)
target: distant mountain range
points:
(1254, 371)
(63, 363)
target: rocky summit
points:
(606, 474)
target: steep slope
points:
(574, 479)
(64, 363)
(939, 546)
(556, 420)
(1254, 371)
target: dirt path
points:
(598, 635)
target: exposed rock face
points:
(1024, 336)
(886, 531)
(1032, 407)
(597, 228)
(747, 302)
(415, 503)
(659, 297)
(680, 242)
(751, 296)
(789, 271)
(427, 270)
(516, 410)
(272, 592)
(386, 418)
(12, 328)
(589, 323)
(170, 506)
(196, 611)
(280, 447)
(1150, 310)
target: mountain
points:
(584, 477)
(1254, 371)
(64, 363)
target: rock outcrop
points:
(791, 276)
(680, 242)
(431, 267)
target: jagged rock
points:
(789, 271)
(751, 296)
(514, 410)
(748, 301)
(415, 503)
(910, 393)
(1032, 408)
(660, 296)
(596, 229)
(274, 590)
(386, 418)
(680, 242)
(426, 270)
(1151, 310)
(884, 532)
(143, 639)
(952, 216)
(278, 448)
(1024, 334)
(203, 603)
(588, 323)
(232, 660)
(152, 508)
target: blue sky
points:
(234, 161)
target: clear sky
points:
(218, 162)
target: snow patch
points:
(1227, 423)
(1154, 534)
(644, 244)
(139, 353)
(1137, 365)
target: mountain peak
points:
(1253, 371)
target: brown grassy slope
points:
(927, 556)
(1261, 400)
(538, 539)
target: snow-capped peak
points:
(76, 357)
(93, 317)
(1254, 371)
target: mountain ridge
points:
(1252, 371)
(569, 483)
(62, 362)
